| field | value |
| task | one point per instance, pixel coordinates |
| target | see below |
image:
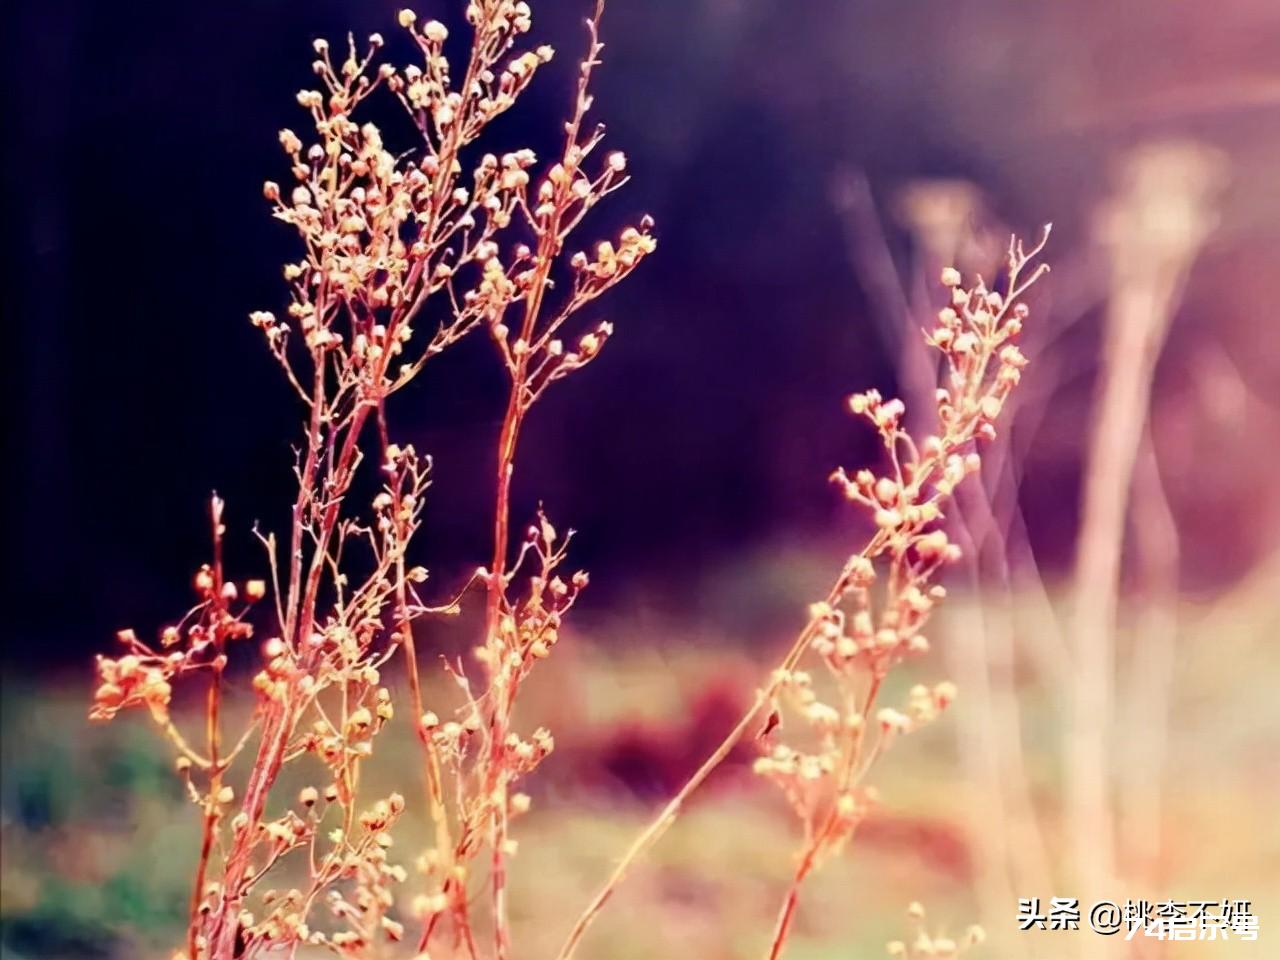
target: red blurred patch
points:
(653, 760)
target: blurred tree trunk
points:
(1156, 555)
(1152, 231)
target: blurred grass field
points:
(98, 839)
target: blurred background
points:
(811, 167)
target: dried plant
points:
(949, 220)
(392, 242)
(872, 617)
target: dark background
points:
(139, 135)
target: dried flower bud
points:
(944, 694)
(204, 582)
(893, 721)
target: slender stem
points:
(213, 737)
(660, 824)
(782, 928)
(549, 242)
(496, 778)
(404, 630)
(852, 770)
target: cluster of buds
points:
(283, 834)
(525, 755)
(503, 14)
(885, 415)
(453, 737)
(922, 945)
(338, 744)
(924, 705)
(383, 232)
(974, 333)
(366, 910)
(610, 263)
(144, 674)
(135, 680)
(527, 630)
(495, 87)
(280, 668)
(361, 858)
(397, 507)
(284, 920)
(557, 362)
(381, 816)
(529, 626)
(814, 781)
(851, 643)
